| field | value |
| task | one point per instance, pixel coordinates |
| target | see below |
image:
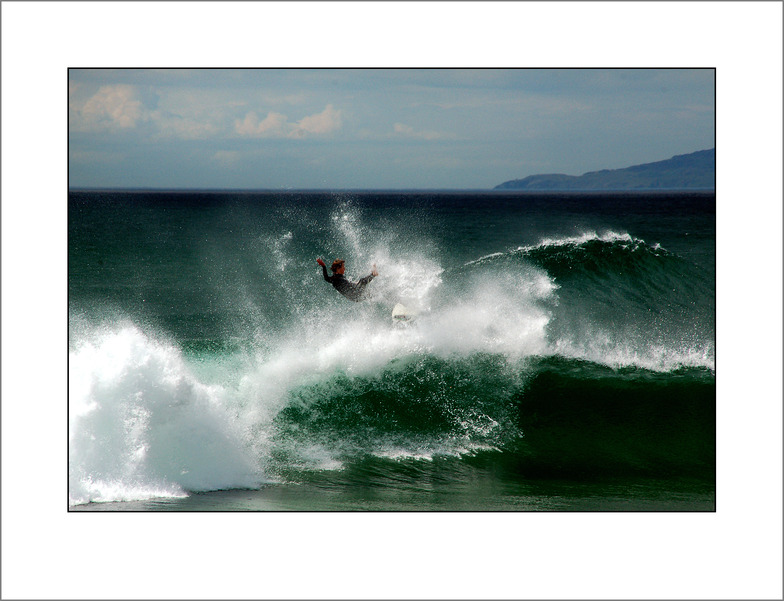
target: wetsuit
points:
(351, 290)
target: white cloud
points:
(112, 108)
(118, 108)
(277, 125)
(122, 108)
(274, 125)
(325, 122)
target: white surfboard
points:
(402, 314)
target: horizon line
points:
(323, 190)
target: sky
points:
(376, 128)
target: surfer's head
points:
(338, 266)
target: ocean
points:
(562, 357)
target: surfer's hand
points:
(374, 273)
(321, 262)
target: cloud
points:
(325, 122)
(112, 107)
(277, 125)
(274, 125)
(124, 108)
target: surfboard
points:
(402, 314)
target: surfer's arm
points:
(324, 270)
(366, 280)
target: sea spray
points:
(408, 265)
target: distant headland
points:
(685, 171)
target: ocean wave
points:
(576, 250)
(617, 300)
(144, 422)
(608, 236)
(153, 417)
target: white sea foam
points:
(428, 452)
(506, 314)
(608, 236)
(589, 236)
(619, 352)
(141, 424)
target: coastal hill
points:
(685, 171)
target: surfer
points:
(351, 290)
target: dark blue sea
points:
(562, 357)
